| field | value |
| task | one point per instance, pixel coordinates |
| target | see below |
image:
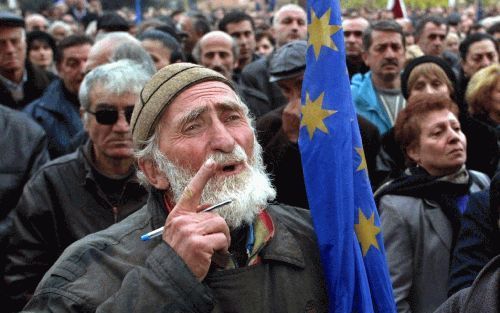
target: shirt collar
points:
(12, 85)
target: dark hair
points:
(265, 34)
(495, 28)
(235, 16)
(200, 22)
(71, 41)
(167, 41)
(384, 26)
(469, 40)
(38, 35)
(436, 20)
(407, 127)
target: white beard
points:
(249, 190)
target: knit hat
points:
(426, 59)
(161, 90)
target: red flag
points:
(397, 7)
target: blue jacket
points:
(58, 116)
(367, 102)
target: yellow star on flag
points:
(313, 115)
(362, 164)
(367, 232)
(320, 32)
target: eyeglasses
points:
(109, 116)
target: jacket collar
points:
(85, 152)
(55, 100)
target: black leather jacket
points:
(61, 203)
(23, 150)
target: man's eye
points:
(191, 127)
(233, 117)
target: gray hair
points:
(57, 24)
(134, 52)
(109, 41)
(117, 78)
(197, 48)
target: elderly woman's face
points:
(429, 84)
(441, 147)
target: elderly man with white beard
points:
(195, 148)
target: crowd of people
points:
(113, 128)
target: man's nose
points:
(389, 53)
(220, 139)
(485, 61)
(9, 46)
(121, 125)
(349, 38)
(216, 61)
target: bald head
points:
(36, 22)
(104, 48)
(290, 23)
(218, 51)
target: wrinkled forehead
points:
(202, 97)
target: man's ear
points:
(154, 176)
(364, 56)
(83, 117)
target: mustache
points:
(219, 69)
(390, 62)
(221, 158)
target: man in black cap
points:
(20, 81)
(278, 130)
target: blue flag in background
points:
(335, 172)
(138, 12)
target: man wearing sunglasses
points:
(85, 191)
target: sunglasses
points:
(109, 116)
(355, 33)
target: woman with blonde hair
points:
(483, 95)
(483, 98)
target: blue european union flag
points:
(335, 172)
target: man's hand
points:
(193, 234)
(291, 120)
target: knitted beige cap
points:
(161, 90)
